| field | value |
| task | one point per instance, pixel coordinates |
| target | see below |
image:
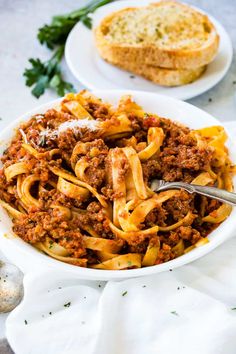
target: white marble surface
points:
(19, 21)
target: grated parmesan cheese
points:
(23, 135)
(71, 124)
(81, 123)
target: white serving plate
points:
(30, 259)
(87, 66)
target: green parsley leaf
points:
(47, 75)
(44, 75)
(67, 304)
(124, 293)
(174, 313)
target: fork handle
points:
(212, 192)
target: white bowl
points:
(29, 259)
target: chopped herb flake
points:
(129, 263)
(144, 286)
(26, 322)
(174, 313)
(210, 99)
(233, 308)
(132, 76)
(125, 293)
(68, 304)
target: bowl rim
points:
(15, 244)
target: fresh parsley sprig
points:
(44, 75)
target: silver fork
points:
(212, 192)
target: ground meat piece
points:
(66, 141)
(95, 173)
(172, 130)
(173, 238)
(81, 220)
(165, 254)
(87, 135)
(14, 152)
(151, 169)
(170, 238)
(179, 205)
(172, 174)
(140, 136)
(151, 121)
(139, 132)
(185, 157)
(136, 122)
(73, 242)
(189, 234)
(156, 217)
(186, 139)
(108, 192)
(53, 197)
(139, 245)
(30, 227)
(98, 110)
(101, 113)
(212, 205)
(4, 194)
(54, 118)
(98, 220)
(205, 228)
(36, 226)
(41, 170)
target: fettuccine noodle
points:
(76, 182)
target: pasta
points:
(76, 182)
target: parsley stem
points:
(45, 75)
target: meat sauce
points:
(179, 160)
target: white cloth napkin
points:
(187, 311)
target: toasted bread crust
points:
(151, 54)
(163, 76)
